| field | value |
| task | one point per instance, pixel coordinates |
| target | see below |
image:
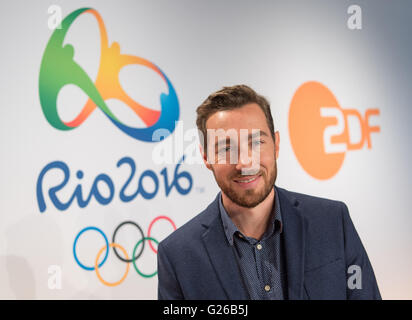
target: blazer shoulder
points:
(313, 206)
(193, 229)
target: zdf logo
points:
(321, 132)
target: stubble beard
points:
(249, 198)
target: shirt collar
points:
(230, 228)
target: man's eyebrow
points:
(227, 140)
(257, 134)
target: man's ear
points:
(204, 157)
(277, 141)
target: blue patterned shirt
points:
(260, 261)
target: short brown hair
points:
(229, 98)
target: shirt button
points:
(259, 246)
(267, 288)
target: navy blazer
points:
(197, 262)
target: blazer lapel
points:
(222, 256)
(293, 228)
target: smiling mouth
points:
(247, 180)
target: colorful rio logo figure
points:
(319, 130)
(59, 69)
(140, 244)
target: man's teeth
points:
(245, 181)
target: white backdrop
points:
(273, 46)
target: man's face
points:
(246, 182)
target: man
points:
(255, 240)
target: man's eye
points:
(258, 142)
(226, 149)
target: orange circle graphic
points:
(96, 265)
(307, 127)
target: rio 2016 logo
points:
(319, 130)
(58, 69)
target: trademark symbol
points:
(200, 189)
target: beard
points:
(249, 198)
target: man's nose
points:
(248, 161)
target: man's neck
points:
(252, 222)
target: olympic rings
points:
(75, 242)
(111, 284)
(151, 225)
(134, 263)
(115, 246)
(114, 236)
